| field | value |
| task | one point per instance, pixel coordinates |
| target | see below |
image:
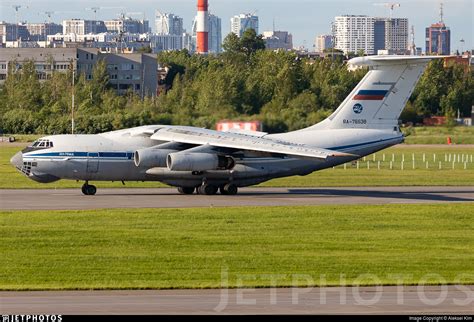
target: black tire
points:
(91, 190)
(186, 190)
(84, 189)
(208, 190)
(230, 189)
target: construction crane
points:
(17, 8)
(49, 14)
(389, 5)
(95, 9)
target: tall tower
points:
(202, 35)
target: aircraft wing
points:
(240, 141)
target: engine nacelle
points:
(151, 157)
(195, 161)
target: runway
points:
(337, 300)
(169, 198)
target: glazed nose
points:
(17, 160)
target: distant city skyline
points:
(305, 19)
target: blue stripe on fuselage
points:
(115, 155)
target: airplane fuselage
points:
(110, 157)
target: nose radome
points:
(17, 160)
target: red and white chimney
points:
(202, 31)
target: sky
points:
(305, 19)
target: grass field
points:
(191, 248)
(439, 135)
(368, 174)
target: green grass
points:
(191, 248)
(439, 135)
(351, 176)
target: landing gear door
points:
(92, 162)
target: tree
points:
(251, 42)
(232, 44)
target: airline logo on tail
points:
(370, 95)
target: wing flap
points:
(241, 141)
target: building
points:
(438, 39)
(391, 34)
(127, 25)
(13, 32)
(324, 42)
(370, 34)
(242, 22)
(83, 27)
(168, 24)
(215, 34)
(40, 31)
(127, 72)
(278, 40)
(160, 42)
(354, 34)
(29, 32)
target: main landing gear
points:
(210, 190)
(88, 190)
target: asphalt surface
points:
(363, 300)
(169, 198)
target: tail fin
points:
(379, 99)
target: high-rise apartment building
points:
(391, 34)
(83, 27)
(354, 33)
(127, 25)
(240, 23)
(168, 24)
(324, 42)
(438, 39)
(370, 34)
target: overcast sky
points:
(303, 18)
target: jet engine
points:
(195, 161)
(155, 157)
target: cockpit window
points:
(42, 143)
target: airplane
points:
(203, 161)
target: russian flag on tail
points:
(370, 95)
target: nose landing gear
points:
(88, 190)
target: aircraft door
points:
(92, 162)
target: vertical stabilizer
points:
(379, 99)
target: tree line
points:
(246, 82)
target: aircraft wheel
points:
(89, 190)
(229, 190)
(186, 190)
(207, 189)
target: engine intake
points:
(151, 157)
(195, 161)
